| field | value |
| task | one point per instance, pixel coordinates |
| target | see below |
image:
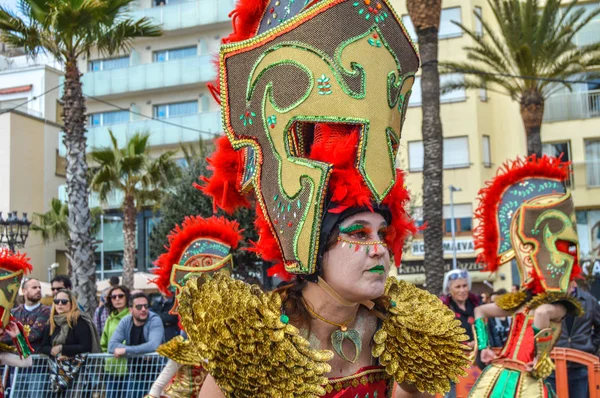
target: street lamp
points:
(14, 230)
(453, 189)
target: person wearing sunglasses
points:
(115, 369)
(69, 334)
(137, 334)
(458, 297)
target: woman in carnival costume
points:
(13, 266)
(526, 214)
(197, 246)
(313, 96)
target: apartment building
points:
(31, 170)
(162, 78)
(482, 130)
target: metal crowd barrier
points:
(100, 377)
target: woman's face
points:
(118, 299)
(62, 303)
(459, 289)
(357, 265)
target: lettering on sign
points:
(463, 246)
(591, 267)
(417, 267)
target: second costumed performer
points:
(526, 214)
(198, 246)
(313, 101)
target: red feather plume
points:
(227, 166)
(192, 228)
(486, 235)
(11, 261)
(245, 19)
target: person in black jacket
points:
(69, 334)
(583, 334)
(162, 307)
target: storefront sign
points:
(591, 267)
(417, 267)
(463, 246)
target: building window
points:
(452, 96)
(108, 64)
(176, 109)
(556, 149)
(447, 28)
(415, 156)
(108, 118)
(478, 24)
(178, 53)
(456, 154)
(462, 226)
(487, 151)
(592, 163)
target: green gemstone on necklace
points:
(284, 319)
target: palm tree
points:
(425, 16)
(529, 56)
(141, 179)
(68, 29)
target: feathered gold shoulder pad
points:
(250, 348)
(511, 301)
(421, 340)
(573, 305)
(180, 351)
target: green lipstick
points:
(378, 269)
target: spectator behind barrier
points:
(137, 334)
(580, 333)
(60, 282)
(142, 331)
(33, 313)
(115, 369)
(69, 334)
(162, 308)
(102, 312)
(498, 327)
(458, 297)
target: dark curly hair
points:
(109, 305)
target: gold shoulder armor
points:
(571, 303)
(420, 341)
(250, 348)
(511, 301)
(180, 351)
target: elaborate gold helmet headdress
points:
(198, 246)
(313, 98)
(526, 213)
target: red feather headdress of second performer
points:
(182, 251)
(340, 127)
(501, 199)
(13, 267)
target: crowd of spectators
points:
(123, 325)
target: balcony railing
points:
(577, 105)
(153, 76)
(169, 131)
(187, 14)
